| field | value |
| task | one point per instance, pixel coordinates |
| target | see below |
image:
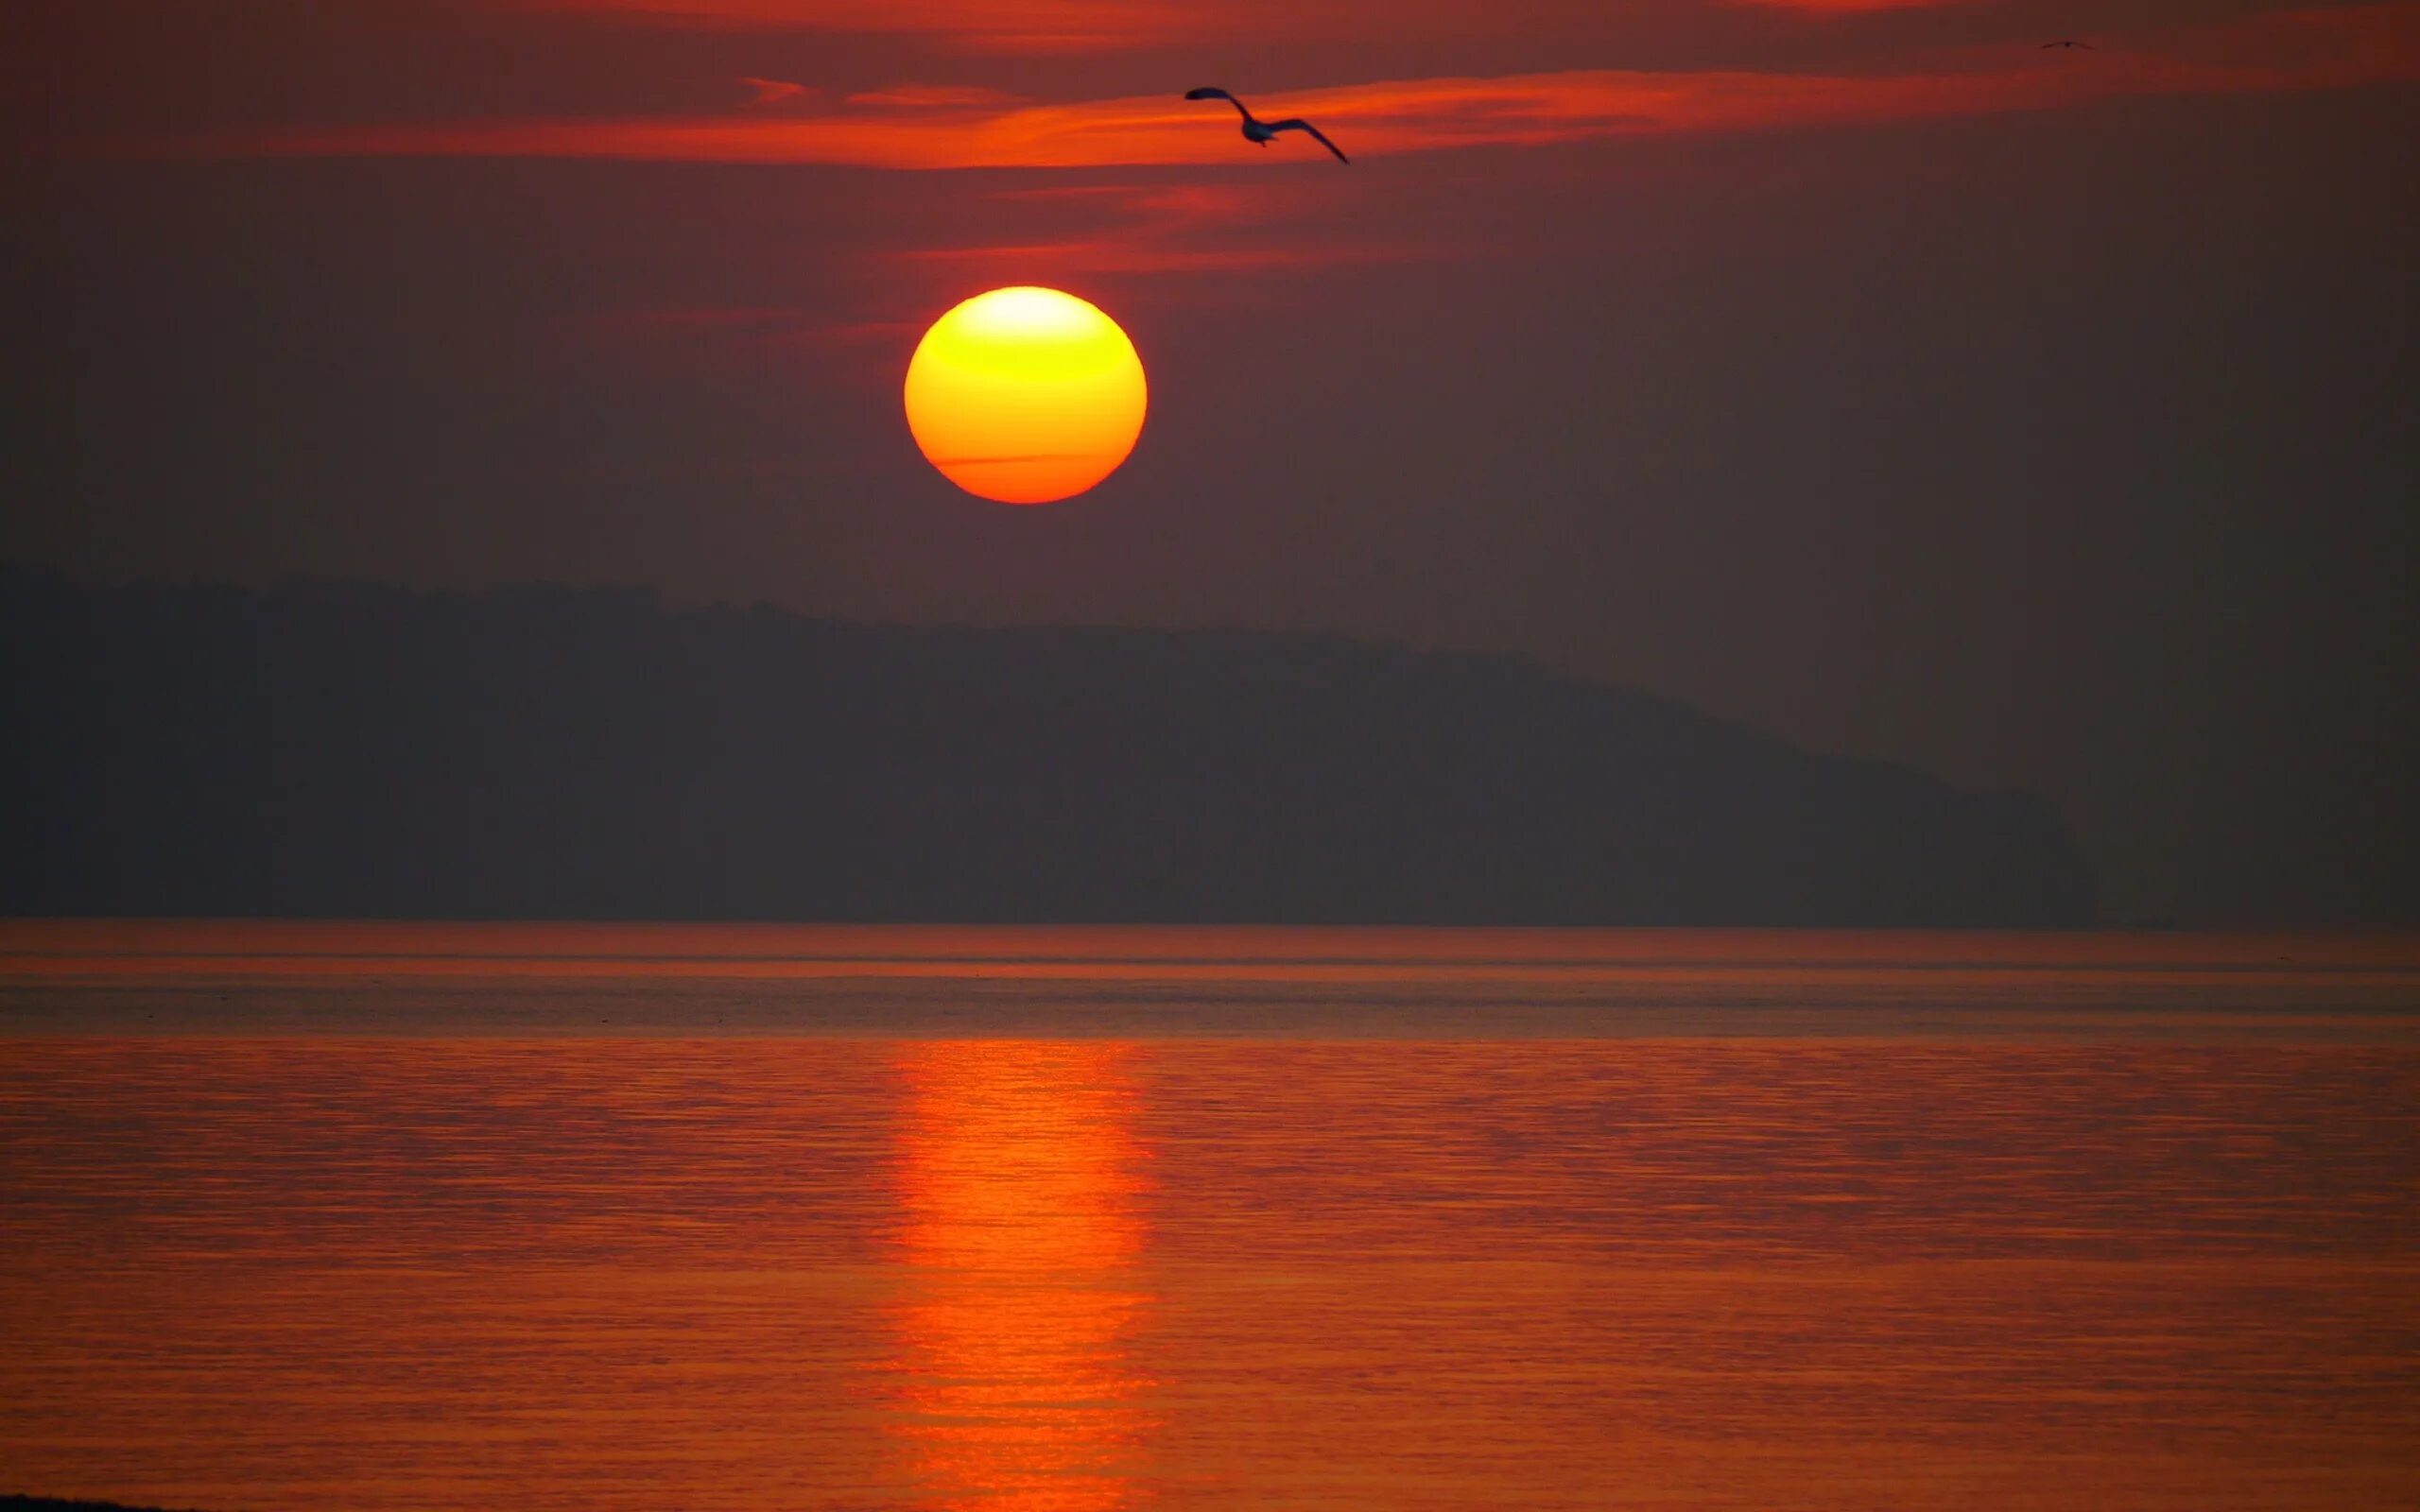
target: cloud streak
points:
(987, 26)
(1848, 7)
(1176, 227)
(2315, 49)
(773, 91)
(933, 97)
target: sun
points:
(1025, 395)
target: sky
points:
(1864, 372)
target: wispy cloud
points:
(2313, 50)
(1177, 228)
(725, 329)
(773, 91)
(1848, 7)
(933, 97)
(996, 25)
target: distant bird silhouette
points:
(2070, 42)
(1256, 129)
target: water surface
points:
(1029, 1220)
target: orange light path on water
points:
(1019, 1179)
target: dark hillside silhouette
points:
(343, 749)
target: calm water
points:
(381, 1218)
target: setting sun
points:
(1025, 395)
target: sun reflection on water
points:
(1017, 1183)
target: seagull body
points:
(1256, 129)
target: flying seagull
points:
(1256, 129)
(2069, 42)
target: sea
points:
(743, 1218)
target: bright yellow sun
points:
(1025, 395)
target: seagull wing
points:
(1298, 123)
(1208, 92)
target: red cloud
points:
(1037, 25)
(931, 98)
(1165, 228)
(773, 91)
(2281, 51)
(1848, 7)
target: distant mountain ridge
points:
(342, 749)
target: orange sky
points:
(1867, 373)
(957, 126)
